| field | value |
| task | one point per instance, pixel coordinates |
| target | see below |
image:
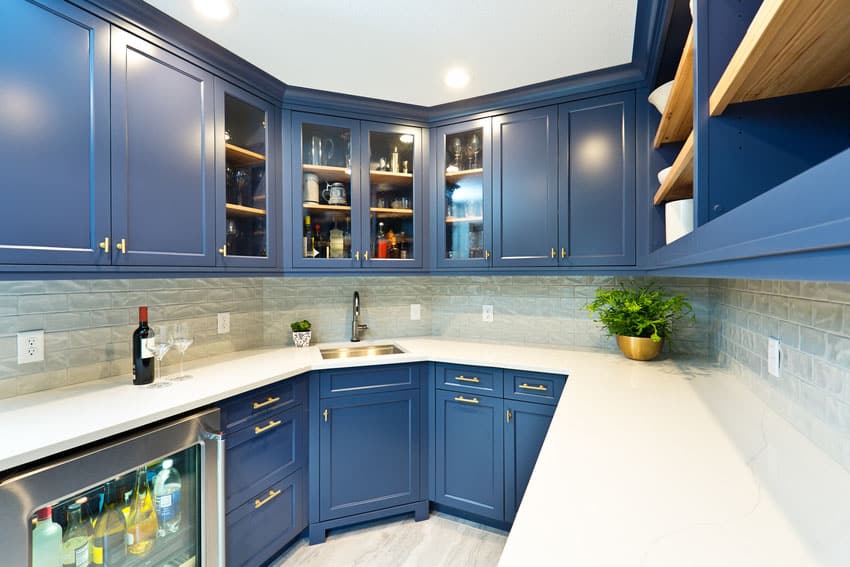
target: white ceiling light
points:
(218, 10)
(457, 78)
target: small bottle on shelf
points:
(380, 242)
(76, 542)
(143, 357)
(109, 544)
(394, 160)
(141, 524)
(166, 494)
(46, 540)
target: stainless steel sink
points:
(366, 350)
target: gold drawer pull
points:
(271, 425)
(270, 400)
(538, 388)
(272, 495)
(472, 379)
(465, 400)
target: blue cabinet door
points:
(54, 134)
(525, 188)
(525, 431)
(469, 453)
(369, 453)
(597, 181)
(163, 154)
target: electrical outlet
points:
(223, 323)
(415, 312)
(487, 313)
(30, 347)
(774, 356)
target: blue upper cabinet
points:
(463, 222)
(525, 188)
(163, 155)
(247, 186)
(597, 181)
(54, 121)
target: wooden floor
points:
(440, 541)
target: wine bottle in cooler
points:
(109, 542)
(76, 543)
(143, 356)
(142, 522)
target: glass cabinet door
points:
(391, 171)
(463, 173)
(325, 191)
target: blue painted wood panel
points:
(351, 381)
(524, 435)
(534, 386)
(54, 134)
(597, 181)
(469, 465)
(262, 401)
(525, 188)
(474, 379)
(163, 155)
(369, 452)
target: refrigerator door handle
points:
(215, 440)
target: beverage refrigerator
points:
(154, 497)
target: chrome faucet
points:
(356, 326)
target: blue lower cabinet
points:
(259, 528)
(526, 425)
(469, 453)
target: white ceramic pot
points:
(658, 97)
(311, 188)
(302, 338)
(662, 175)
(678, 218)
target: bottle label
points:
(148, 348)
(81, 555)
(167, 506)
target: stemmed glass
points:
(182, 341)
(162, 344)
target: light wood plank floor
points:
(440, 541)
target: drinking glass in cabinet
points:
(326, 191)
(464, 195)
(245, 177)
(391, 159)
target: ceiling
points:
(401, 50)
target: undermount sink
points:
(365, 350)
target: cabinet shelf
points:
(463, 173)
(241, 210)
(679, 183)
(677, 119)
(320, 207)
(398, 179)
(383, 211)
(450, 220)
(242, 157)
(791, 47)
(329, 172)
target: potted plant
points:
(301, 333)
(640, 318)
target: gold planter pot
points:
(639, 348)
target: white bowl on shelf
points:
(678, 219)
(658, 97)
(662, 175)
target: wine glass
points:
(475, 148)
(182, 341)
(457, 150)
(162, 344)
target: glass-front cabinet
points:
(245, 236)
(464, 195)
(356, 190)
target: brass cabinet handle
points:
(366, 255)
(472, 379)
(270, 400)
(538, 388)
(122, 246)
(357, 255)
(486, 254)
(508, 416)
(325, 413)
(271, 425)
(272, 495)
(563, 252)
(553, 252)
(104, 245)
(465, 400)
(223, 250)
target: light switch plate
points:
(774, 356)
(487, 313)
(415, 311)
(30, 346)
(223, 323)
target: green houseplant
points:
(641, 318)
(301, 333)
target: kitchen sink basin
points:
(366, 350)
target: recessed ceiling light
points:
(457, 78)
(218, 10)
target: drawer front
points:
(261, 401)
(263, 525)
(268, 447)
(533, 386)
(349, 381)
(459, 378)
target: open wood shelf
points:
(320, 207)
(463, 219)
(388, 212)
(791, 46)
(397, 179)
(679, 183)
(243, 211)
(242, 157)
(677, 120)
(329, 172)
(463, 173)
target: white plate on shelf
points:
(662, 175)
(678, 219)
(658, 97)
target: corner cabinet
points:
(357, 194)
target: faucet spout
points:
(356, 326)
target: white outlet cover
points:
(415, 311)
(223, 323)
(30, 346)
(487, 313)
(773, 356)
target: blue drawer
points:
(261, 401)
(533, 386)
(478, 379)
(367, 379)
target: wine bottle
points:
(308, 236)
(166, 492)
(143, 360)
(142, 522)
(109, 545)
(46, 540)
(76, 542)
